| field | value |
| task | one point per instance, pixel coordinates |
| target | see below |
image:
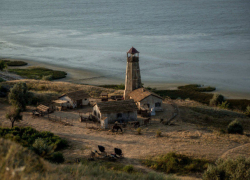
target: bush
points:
(42, 148)
(224, 105)
(15, 63)
(235, 127)
(57, 157)
(176, 163)
(248, 111)
(128, 168)
(229, 169)
(216, 100)
(47, 78)
(138, 131)
(158, 133)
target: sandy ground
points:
(184, 138)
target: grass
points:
(114, 86)
(39, 73)
(15, 63)
(17, 162)
(176, 163)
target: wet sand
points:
(82, 76)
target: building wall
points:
(112, 117)
(133, 78)
(151, 100)
(73, 103)
(70, 102)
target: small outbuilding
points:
(112, 111)
(146, 100)
(75, 99)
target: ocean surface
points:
(180, 41)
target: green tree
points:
(19, 96)
(3, 65)
(235, 127)
(14, 115)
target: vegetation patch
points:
(236, 169)
(197, 88)
(39, 73)
(235, 127)
(114, 86)
(176, 163)
(17, 162)
(2, 80)
(15, 63)
(26, 137)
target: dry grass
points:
(63, 87)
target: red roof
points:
(132, 51)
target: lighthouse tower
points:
(133, 75)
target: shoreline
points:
(82, 76)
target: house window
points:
(158, 104)
(99, 116)
(85, 99)
(95, 113)
(119, 115)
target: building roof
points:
(117, 106)
(42, 108)
(132, 51)
(58, 101)
(77, 95)
(142, 93)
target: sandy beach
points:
(82, 76)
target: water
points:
(184, 41)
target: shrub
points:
(128, 168)
(176, 163)
(235, 127)
(42, 148)
(216, 100)
(224, 105)
(248, 111)
(158, 133)
(57, 157)
(138, 130)
(229, 169)
(47, 78)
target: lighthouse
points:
(133, 75)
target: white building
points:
(75, 99)
(111, 111)
(146, 100)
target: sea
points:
(180, 41)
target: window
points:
(95, 113)
(119, 115)
(99, 116)
(158, 104)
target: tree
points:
(14, 115)
(3, 65)
(248, 111)
(19, 96)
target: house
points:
(112, 111)
(146, 100)
(104, 96)
(75, 99)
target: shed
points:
(146, 100)
(111, 111)
(104, 96)
(75, 99)
(42, 109)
